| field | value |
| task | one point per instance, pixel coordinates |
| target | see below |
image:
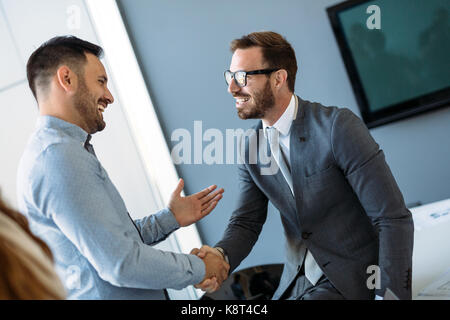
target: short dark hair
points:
(46, 59)
(277, 52)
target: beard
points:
(263, 100)
(86, 104)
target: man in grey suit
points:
(348, 232)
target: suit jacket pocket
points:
(321, 173)
(325, 189)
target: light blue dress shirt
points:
(100, 252)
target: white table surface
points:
(431, 253)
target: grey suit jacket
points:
(347, 209)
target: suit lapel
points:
(298, 149)
(276, 181)
(297, 145)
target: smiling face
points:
(256, 98)
(93, 95)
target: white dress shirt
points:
(283, 125)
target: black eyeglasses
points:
(240, 76)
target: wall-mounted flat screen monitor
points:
(397, 55)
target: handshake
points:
(216, 268)
(190, 209)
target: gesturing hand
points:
(190, 209)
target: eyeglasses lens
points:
(240, 78)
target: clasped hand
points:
(190, 209)
(216, 268)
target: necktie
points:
(312, 270)
(272, 135)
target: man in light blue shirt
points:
(72, 204)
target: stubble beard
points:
(86, 105)
(264, 100)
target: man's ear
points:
(280, 78)
(67, 79)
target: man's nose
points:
(233, 87)
(109, 97)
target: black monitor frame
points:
(405, 109)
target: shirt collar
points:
(70, 129)
(284, 123)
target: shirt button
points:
(305, 235)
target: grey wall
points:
(182, 47)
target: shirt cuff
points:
(198, 268)
(167, 221)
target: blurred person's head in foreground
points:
(26, 262)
